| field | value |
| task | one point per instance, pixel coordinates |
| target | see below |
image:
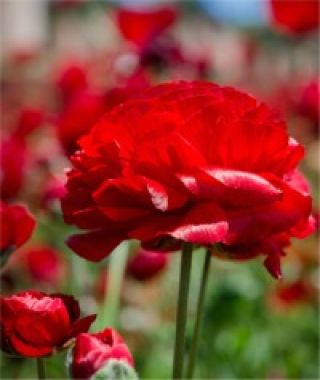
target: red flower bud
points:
(295, 16)
(92, 351)
(17, 225)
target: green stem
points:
(199, 316)
(79, 275)
(111, 303)
(181, 318)
(41, 369)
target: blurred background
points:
(66, 62)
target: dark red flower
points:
(308, 102)
(92, 351)
(12, 170)
(71, 80)
(188, 161)
(143, 26)
(29, 119)
(16, 227)
(145, 265)
(34, 324)
(286, 296)
(295, 16)
(44, 264)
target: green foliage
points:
(115, 370)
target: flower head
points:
(186, 162)
(44, 264)
(55, 319)
(295, 16)
(12, 170)
(142, 26)
(92, 351)
(71, 80)
(16, 227)
(145, 264)
(308, 102)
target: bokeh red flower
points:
(34, 324)
(143, 26)
(12, 170)
(145, 264)
(16, 227)
(151, 172)
(287, 296)
(71, 79)
(295, 16)
(92, 351)
(308, 102)
(44, 264)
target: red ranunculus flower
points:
(29, 119)
(92, 351)
(188, 161)
(145, 265)
(290, 295)
(34, 324)
(71, 80)
(143, 26)
(16, 227)
(308, 102)
(295, 16)
(12, 170)
(44, 264)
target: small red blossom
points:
(145, 265)
(143, 26)
(308, 102)
(44, 264)
(295, 16)
(12, 170)
(92, 351)
(29, 119)
(71, 80)
(221, 173)
(286, 296)
(16, 227)
(34, 324)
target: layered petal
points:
(54, 320)
(94, 245)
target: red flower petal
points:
(28, 350)
(260, 222)
(82, 325)
(95, 245)
(141, 27)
